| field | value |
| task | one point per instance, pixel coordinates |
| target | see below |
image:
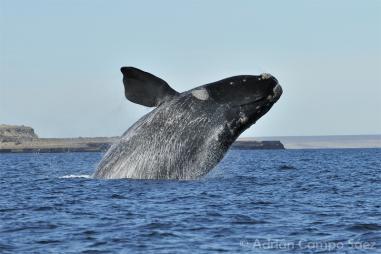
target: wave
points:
(75, 176)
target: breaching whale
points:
(188, 133)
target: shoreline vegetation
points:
(23, 139)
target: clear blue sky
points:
(60, 60)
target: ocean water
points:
(270, 201)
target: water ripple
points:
(49, 202)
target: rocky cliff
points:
(16, 134)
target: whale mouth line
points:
(277, 92)
(253, 102)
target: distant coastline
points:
(23, 139)
(326, 142)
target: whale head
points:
(246, 98)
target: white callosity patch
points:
(266, 75)
(243, 118)
(201, 94)
(277, 91)
(230, 126)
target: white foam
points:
(75, 176)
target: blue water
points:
(301, 201)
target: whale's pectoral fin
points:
(144, 88)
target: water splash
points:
(75, 176)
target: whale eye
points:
(201, 94)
